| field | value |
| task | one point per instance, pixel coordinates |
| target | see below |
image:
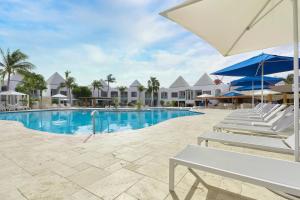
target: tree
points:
(109, 79)
(81, 91)
(97, 85)
(141, 89)
(14, 62)
(122, 89)
(289, 79)
(153, 87)
(40, 85)
(32, 82)
(69, 84)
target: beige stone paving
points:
(122, 166)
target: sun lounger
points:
(270, 120)
(256, 109)
(251, 141)
(265, 117)
(276, 129)
(276, 175)
(261, 115)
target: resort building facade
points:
(179, 93)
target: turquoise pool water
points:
(80, 121)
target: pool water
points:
(80, 121)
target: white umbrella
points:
(266, 92)
(204, 96)
(59, 96)
(235, 26)
(12, 93)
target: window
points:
(198, 92)
(114, 94)
(63, 93)
(174, 94)
(164, 95)
(181, 94)
(103, 93)
(207, 92)
(53, 92)
(133, 94)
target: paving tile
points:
(113, 185)
(149, 189)
(84, 195)
(88, 176)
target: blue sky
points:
(93, 38)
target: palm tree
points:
(122, 89)
(97, 85)
(69, 84)
(40, 85)
(14, 62)
(153, 87)
(109, 79)
(141, 89)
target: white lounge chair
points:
(277, 129)
(270, 120)
(264, 117)
(276, 175)
(251, 141)
(269, 108)
(250, 110)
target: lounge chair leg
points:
(172, 166)
(206, 143)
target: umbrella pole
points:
(296, 78)
(252, 95)
(262, 83)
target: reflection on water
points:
(80, 121)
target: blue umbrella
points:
(255, 80)
(232, 94)
(259, 66)
(254, 87)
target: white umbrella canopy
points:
(266, 92)
(12, 93)
(235, 26)
(204, 96)
(59, 96)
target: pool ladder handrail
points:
(94, 120)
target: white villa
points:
(179, 92)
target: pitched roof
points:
(55, 79)
(135, 83)
(204, 80)
(179, 82)
(104, 84)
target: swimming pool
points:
(80, 121)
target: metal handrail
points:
(94, 120)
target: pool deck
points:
(123, 166)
